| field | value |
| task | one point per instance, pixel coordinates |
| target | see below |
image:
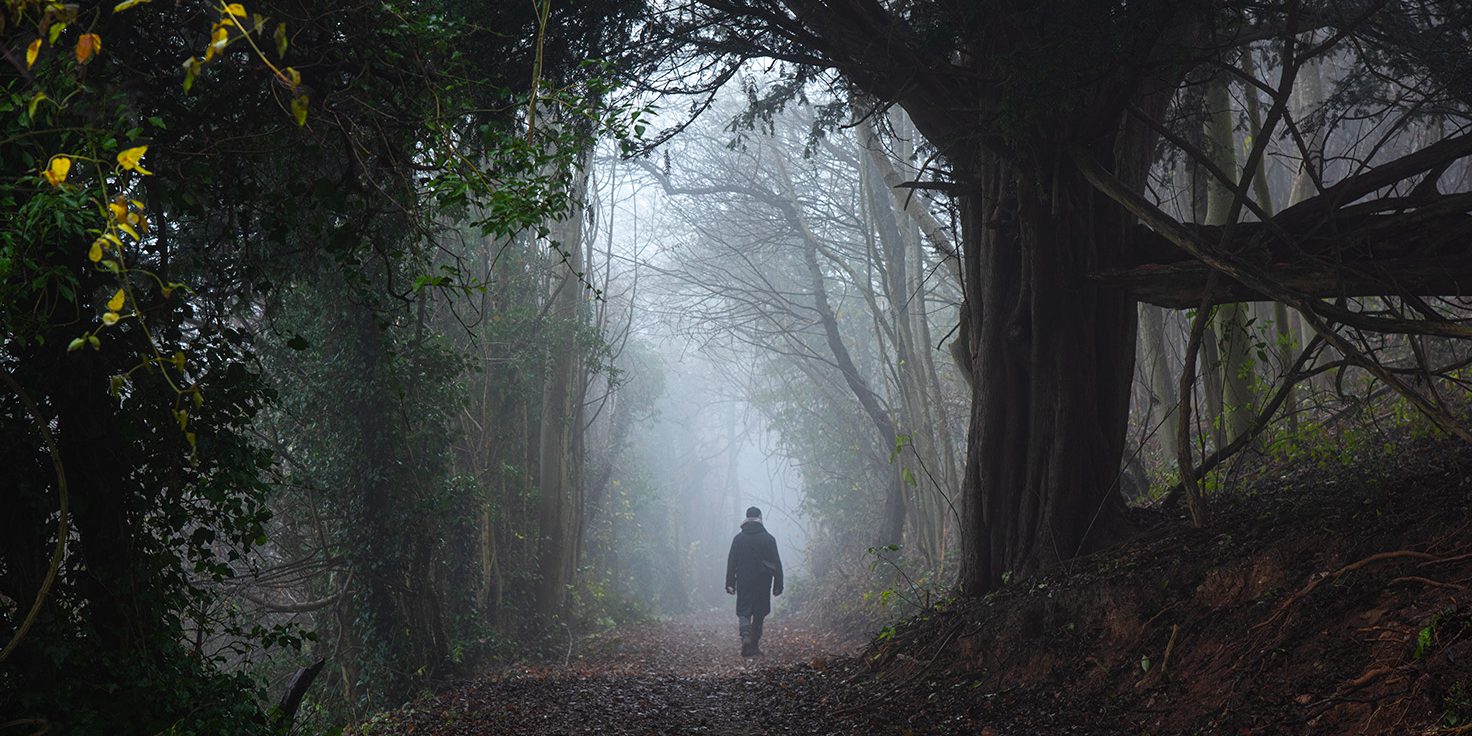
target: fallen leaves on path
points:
(679, 676)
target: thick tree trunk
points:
(1054, 356)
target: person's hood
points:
(752, 526)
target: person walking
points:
(753, 569)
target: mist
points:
(413, 369)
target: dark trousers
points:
(751, 626)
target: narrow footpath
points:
(681, 676)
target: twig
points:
(1169, 647)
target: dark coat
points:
(754, 569)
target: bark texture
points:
(1054, 356)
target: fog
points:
(751, 394)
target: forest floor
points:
(1326, 597)
(684, 675)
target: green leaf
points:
(299, 109)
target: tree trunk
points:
(1159, 379)
(1308, 95)
(1282, 320)
(1054, 358)
(561, 502)
(1236, 403)
(922, 509)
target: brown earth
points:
(1326, 600)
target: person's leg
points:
(746, 638)
(756, 632)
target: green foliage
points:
(224, 261)
(1456, 705)
(1443, 628)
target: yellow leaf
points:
(219, 39)
(118, 210)
(115, 240)
(129, 159)
(57, 170)
(280, 36)
(110, 318)
(198, 398)
(293, 77)
(299, 109)
(32, 51)
(76, 344)
(127, 5)
(87, 47)
(191, 70)
(236, 9)
(125, 227)
(95, 254)
(94, 342)
(179, 359)
(35, 100)
(55, 31)
(117, 301)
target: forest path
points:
(684, 675)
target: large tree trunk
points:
(562, 424)
(1054, 356)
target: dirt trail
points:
(679, 676)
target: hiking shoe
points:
(748, 647)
